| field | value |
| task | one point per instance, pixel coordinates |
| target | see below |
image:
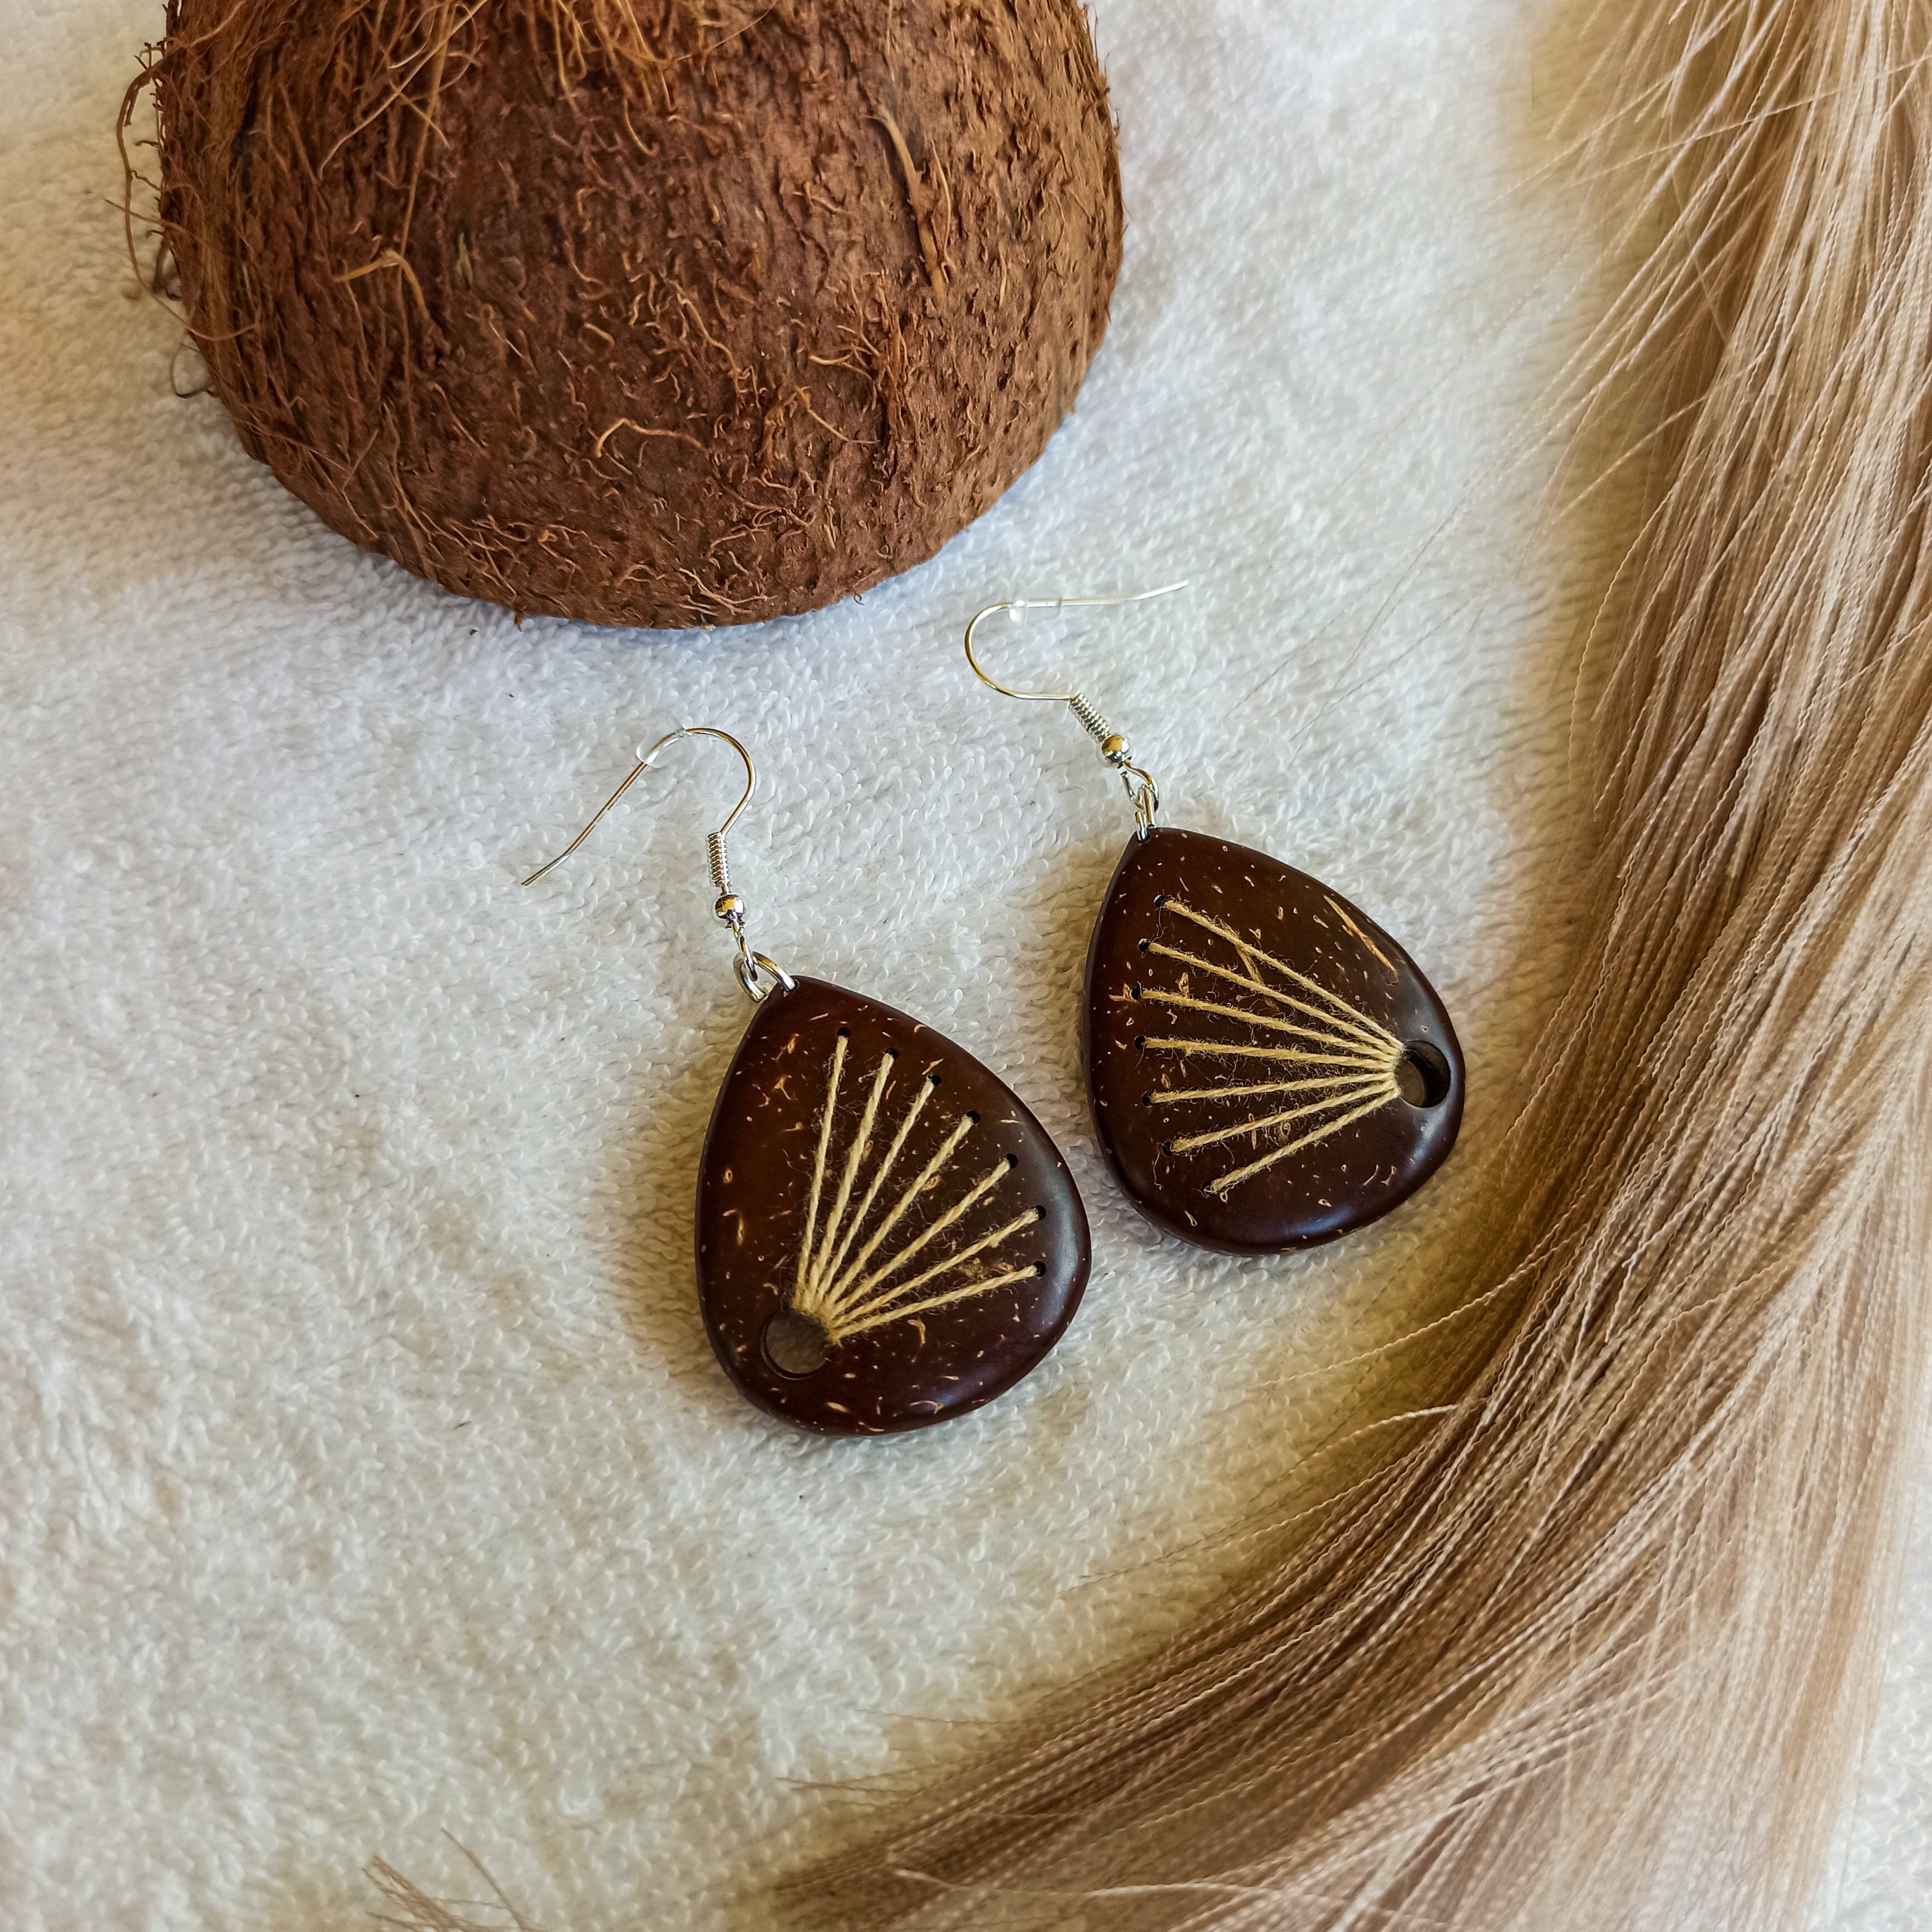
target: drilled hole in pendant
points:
(794, 1344)
(1422, 1075)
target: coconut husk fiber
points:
(634, 311)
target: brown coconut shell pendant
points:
(1268, 1068)
(885, 1235)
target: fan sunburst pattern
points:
(847, 1284)
(1334, 1064)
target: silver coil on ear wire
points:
(756, 973)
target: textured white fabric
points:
(368, 1473)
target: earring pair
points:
(886, 1236)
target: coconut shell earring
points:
(1268, 1068)
(885, 1235)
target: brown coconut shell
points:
(634, 312)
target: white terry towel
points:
(368, 1473)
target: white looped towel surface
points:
(367, 1473)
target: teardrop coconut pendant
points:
(1268, 1068)
(885, 1235)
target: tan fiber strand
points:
(934, 1229)
(1347, 1015)
(920, 1183)
(1379, 1097)
(922, 1093)
(869, 1305)
(861, 1141)
(958, 1259)
(818, 1160)
(1332, 1083)
(1361, 1028)
(1376, 1091)
(971, 1289)
(1298, 1056)
(1161, 996)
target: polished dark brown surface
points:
(886, 1236)
(1268, 1068)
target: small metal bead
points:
(730, 908)
(1114, 750)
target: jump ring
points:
(752, 967)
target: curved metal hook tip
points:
(645, 761)
(1047, 604)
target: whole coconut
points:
(637, 310)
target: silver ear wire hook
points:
(1141, 791)
(752, 968)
